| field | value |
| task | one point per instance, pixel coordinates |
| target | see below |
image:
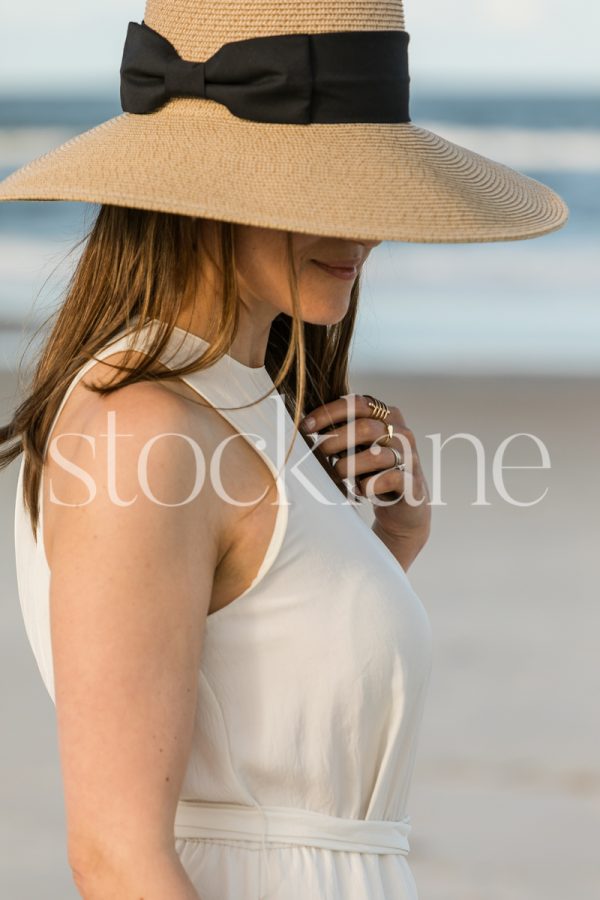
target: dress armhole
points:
(281, 519)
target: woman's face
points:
(261, 258)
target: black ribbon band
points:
(334, 77)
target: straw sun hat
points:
(289, 115)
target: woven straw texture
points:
(197, 28)
(394, 182)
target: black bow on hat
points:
(350, 76)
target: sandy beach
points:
(505, 803)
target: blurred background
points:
(490, 339)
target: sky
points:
(513, 44)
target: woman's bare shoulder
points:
(144, 441)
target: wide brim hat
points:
(337, 155)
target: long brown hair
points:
(148, 262)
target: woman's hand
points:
(347, 430)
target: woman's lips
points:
(344, 272)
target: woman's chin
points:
(330, 314)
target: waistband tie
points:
(289, 825)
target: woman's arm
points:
(130, 591)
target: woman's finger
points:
(352, 434)
(344, 409)
(373, 459)
(384, 482)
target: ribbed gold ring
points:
(380, 409)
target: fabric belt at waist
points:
(289, 825)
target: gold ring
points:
(380, 409)
(384, 441)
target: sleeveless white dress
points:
(311, 685)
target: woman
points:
(239, 663)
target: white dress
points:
(311, 685)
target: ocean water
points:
(505, 307)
